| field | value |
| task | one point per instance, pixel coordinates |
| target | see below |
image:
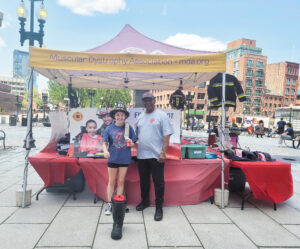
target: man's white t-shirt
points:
(150, 130)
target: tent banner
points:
(126, 62)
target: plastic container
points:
(211, 155)
(196, 151)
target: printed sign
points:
(87, 129)
(86, 132)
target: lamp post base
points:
(31, 143)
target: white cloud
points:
(195, 42)
(89, 7)
(2, 42)
(164, 10)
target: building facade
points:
(283, 79)
(17, 85)
(246, 62)
(21, 69)
(8, 101)
(298, 93)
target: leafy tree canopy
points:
(102, 97)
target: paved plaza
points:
(57, 221)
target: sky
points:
(78, 25)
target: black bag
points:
(75, 183)
(237, 180)
(250, 155)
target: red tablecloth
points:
(271, 181)
(54, 168)
(187, 181)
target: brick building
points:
(246, 62)
(283, 79)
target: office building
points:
(17, 85)
(21, 69)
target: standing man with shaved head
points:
(153, 129)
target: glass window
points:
(236, 64)
(201, 95)
(236, 73)
(200, 106)
(269, 113)
(270, 105)
(250, 63)
(257, 92)
(202, 85)
(287, 91)
(258, 83)
(266, 113)
(266, 104)
(248, 92)
(292, 92)
(248, 82)
(275, 105)
(280, 99)
(259, 74)
(293, 82)
(249, 72)
(286, 100)
(259, 64)
(271, 98)
(279, 105)
(287, 81)
(292, 101)
(275, 98)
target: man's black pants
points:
(146, 168)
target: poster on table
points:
(85, 126)
(85, 140)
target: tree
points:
(36, 99)
(58, 92)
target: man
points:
(153, 130)
(288, 133)
(103, 113)
(280, 126)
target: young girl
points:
(118, 152)
(91, 141)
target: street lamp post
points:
(45, 102)
(31, 36)
(189, 98)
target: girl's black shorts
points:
(116, 165)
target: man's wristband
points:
(163, 152)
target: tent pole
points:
(27, 139)
(222, 136)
